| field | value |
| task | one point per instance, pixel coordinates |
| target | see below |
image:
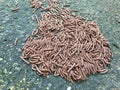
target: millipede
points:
(66, 45)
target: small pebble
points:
(5, 70)
(69, 88)
(1, 59)
(47, 88)
(49, 84)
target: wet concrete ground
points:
(16, 75)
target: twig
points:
(9, 5)
(16, 41)
(16, 1)
(15, 9)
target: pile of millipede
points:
(66, 45)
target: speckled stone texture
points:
(16, 75)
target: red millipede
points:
(66, 45)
